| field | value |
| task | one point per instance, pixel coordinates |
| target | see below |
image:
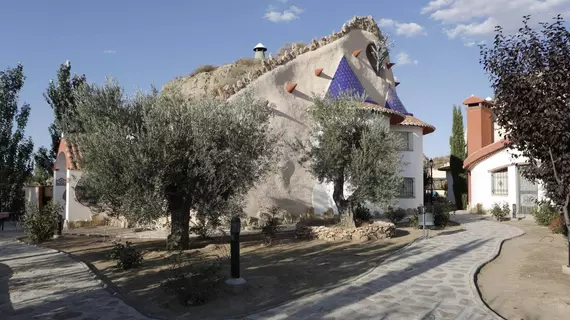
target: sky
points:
(143, 42)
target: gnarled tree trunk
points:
(344, 208)
(179, 238)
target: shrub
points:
(203, 226)
(270, 226)
(127, 256)
(40, 226)
(318, 221)
(498, 212)
(197, 286)
(441, 214)
(464, 200)
(396, 215)
(478, 209)
(414, 221)
(558, 226)
(362, 214)
(545, 213)
(506, 210)
(202, 69)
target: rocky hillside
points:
(207, 80)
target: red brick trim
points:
(484, 153)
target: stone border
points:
(419, 238)
(96, 275)
(474, 273)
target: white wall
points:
(450, 193)
(59, 185)
(75, 210)
(413, 167)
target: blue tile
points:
(345, 80)
(393, 101)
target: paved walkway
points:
(37, 283)
(431, 279)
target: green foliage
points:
(534, 67)
(151, 155)
(545, 213)
(458, 154)
(478, 209)
(193, 283)
(362, 214)
(354, 146)
(15, 149)
(414, 221)
(499, 211)
(395, 215)
(40, 226)
(441, 214)
(270, 226)
(202, 69)
(558, 227)
(127, 255)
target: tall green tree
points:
(530, 73)
(15, 149)
(353, 148)
(152, 155)
(59, 96)
(457, 156)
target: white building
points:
(341, 61)
(493, 175)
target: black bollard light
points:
(235, 228)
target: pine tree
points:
(458, 154)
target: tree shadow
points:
(5, 302)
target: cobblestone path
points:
(431, 279)
(38, 283)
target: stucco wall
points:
(76, 211)
(291, 188)
(481, 181)
(413, 167)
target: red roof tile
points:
(473, 99)
(415, 122)
(484, 152)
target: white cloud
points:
(109, 51)
(408, 29)
(470, 18)
(276, 16)
(403, 58)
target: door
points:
(528, 194)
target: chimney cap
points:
(259, 47)
(472, 100)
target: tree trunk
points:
(179, 238)
(344, 209)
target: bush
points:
(395, 216)
(202, 69)
(318, 221)
(545, 213)
(127, 256)
(40, 226)
(270, 226)
(441, 214)
(558, 226)
(197, 286)
(415, 221)
(498, 212)
(478, 209)
(362, 214)
(464, 200)
(506, 210)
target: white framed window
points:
(500, 182)
(407, 188)
(407, 139)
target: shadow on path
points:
(5, 303)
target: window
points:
(407, 188)
(500, 183)
(407, 139)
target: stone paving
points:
(431, 279)
(38, 283)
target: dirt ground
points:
(526, 280)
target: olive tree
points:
(152, 155)
(530, 73)
(354, 149)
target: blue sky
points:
(147, 42)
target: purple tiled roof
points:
(393, 101)
(345, 80)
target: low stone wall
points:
(374, 231)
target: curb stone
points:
(110, 287)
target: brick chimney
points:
(480, 128)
